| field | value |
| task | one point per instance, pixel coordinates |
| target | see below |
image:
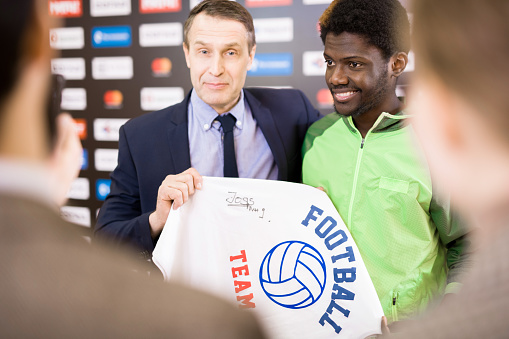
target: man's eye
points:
(203, 51)
(354, 64)
(329, 62)
(231, 53)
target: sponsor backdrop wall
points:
(124, 58)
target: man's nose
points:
(217, 65)
(338, 76)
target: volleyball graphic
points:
(293, 274)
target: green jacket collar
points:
(386, 122)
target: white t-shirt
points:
(275, 248)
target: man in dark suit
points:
(162, 155)
(52, 283)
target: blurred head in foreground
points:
(24, 92)
(460, 99)
(54, 284)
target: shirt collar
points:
(206, 114)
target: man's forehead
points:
(206, 28)
(350, 44)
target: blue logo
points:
(84, 160)
(102, 188)
(112, 36)
(293, 274)
(272, 64)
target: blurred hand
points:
(174, 191)
(383, 327)
(65, 160)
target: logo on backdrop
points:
(273, 29)
(81, 128)
(67, 38)
(74, 99)
(112, 68)
(107, 129)
(69, 68)
(113, 36)
(80, 189)
(316, 2)
(65, 8)
(272, 64)
(84, 160)
(161, 67)
(313, 63)
(161, 34)
(156, 98)
(110, 7)
(266, 3)
(105, 159)
(324, 99)
(113, 99)
(160, 6)
(76, 215)
(102, 188)
(293, 274)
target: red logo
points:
(81, 128)
(324, 98)
(113, 99)
(161, 67)
(160, 6)
(267, 3)
(65, 8)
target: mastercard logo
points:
(161, 67)
(113, 99)
(324, 98)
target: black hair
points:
(383, 22)
(14, 18)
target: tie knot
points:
(227, 122)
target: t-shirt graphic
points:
(275, 248)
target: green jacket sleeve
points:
(454, 235)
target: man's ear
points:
(186, 54)
(398, 63)
(251, 57)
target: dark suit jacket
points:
(155, 145)
(55, 285)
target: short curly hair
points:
(383, 22)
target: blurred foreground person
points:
(52, 284)
(462, 117)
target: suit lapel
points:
(178, 136)
(264, 118)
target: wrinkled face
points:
(357, 74)
(218, 57)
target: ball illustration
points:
(293, 274)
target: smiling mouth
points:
(344, 96)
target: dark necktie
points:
(230, 163)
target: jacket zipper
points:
(355, 177)
(394, 308)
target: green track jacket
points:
(381, 187)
